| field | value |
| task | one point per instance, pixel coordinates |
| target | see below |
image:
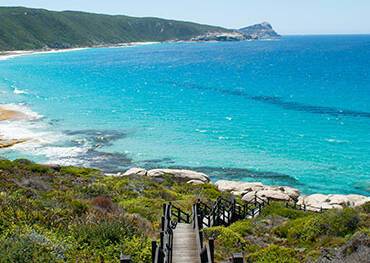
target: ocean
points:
(290, 112)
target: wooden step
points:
(184, 245)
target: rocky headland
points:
(260, 31)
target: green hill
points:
(24, 28)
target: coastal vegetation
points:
(58, 214)
(25, 28)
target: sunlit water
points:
(290, 112)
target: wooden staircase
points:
(182, 238)
(185, 245)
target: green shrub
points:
(6, 164)
(366, 207)
(79, 171)
(273, 254)
(227, 241)
(150, 209)
(243, 227)
(279, 208)
(337, 223)
(29, 246)
(101, 234)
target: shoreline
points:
(11, 113)
(5, 55)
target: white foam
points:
(19, 91)
(332, 140)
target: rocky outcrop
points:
(6, 143)
(186, 176)
(221, 36)
(178, 175)
(195, 182)
(260, 31)
(249, 190)
(316, 202)
(135, 171)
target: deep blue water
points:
(290, 112)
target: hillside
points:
(24, 28)
(71, 214)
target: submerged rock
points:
(178, 174)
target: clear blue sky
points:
(287, 16)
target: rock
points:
(274, 195)
(260, 31)
(225, 185)
(135, 171)
(195, 182)
(317, 201)
(248, 197)
(179, 175)
(357, 200)
(6, 143)
(248, 190)
(222, 36)
(292, 192)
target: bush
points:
(150, 209)
(243, 227)
(79, 171)
(227, 241)
(29, 246)
(337, 223)
(279, 208)
(273, 254)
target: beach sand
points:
(10, 115)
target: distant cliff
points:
(260, 31)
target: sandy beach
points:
(10, 115)
(4, 55)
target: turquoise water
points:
(290, 112)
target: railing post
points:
(304, 207)
(164, 207)
(211, 244)
(162, 223)
(154, 249)
(255, 199)
(161, 236)
(179, 215)
(238, 258)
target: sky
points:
(286, 16)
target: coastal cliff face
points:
(260, 31)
